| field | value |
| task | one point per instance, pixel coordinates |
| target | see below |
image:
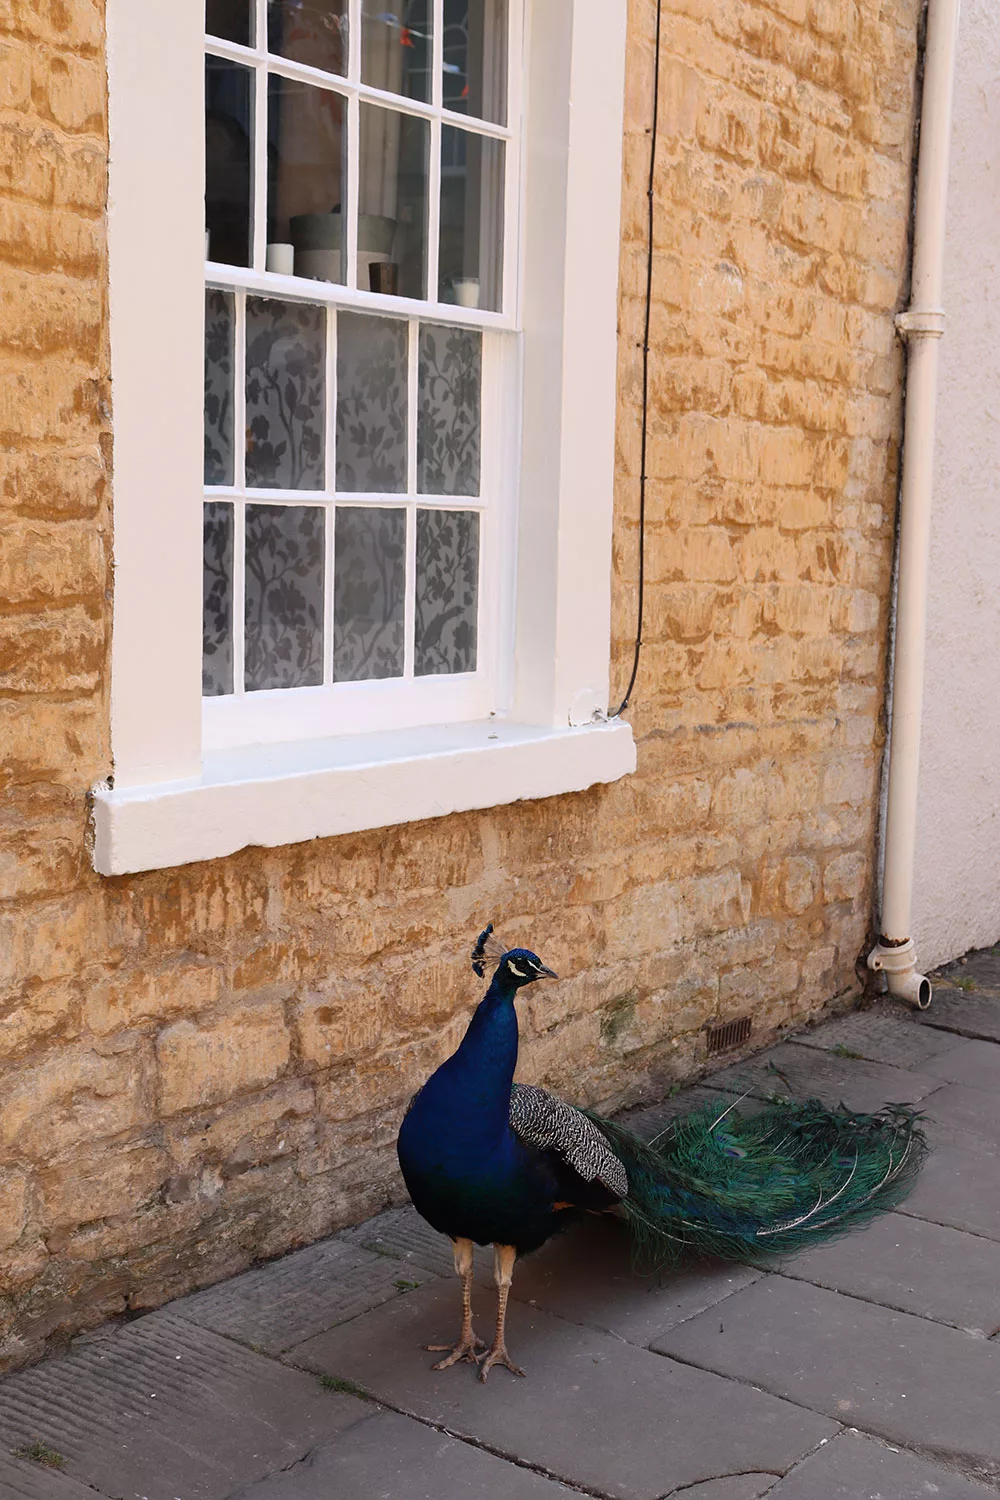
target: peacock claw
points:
(468, 1350)
(498, 1357)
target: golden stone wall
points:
(206, 1065)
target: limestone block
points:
(13, 1207)
(845, 877)
(200, 1064)
(131, 997)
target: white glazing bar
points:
(353, 175)
(330, 413)
(413, 354)
(434, 212)
(301, 289)
(259, 199)
(239, 594)
(341, 84)
(239, 505)
(260, 27)
(437, 51)
(354, 41)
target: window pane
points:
(229, 19)
(228, 157)
(471, 255)
(219, 324)
(310, 31)
(445, 637)
(392, 205)
(286, 357)
(369, 591)
(371, 404)
(448, 411)
(307, 175)
(284, 596)
(475, 58)
(396, 47)
(217, 601)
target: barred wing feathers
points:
(543, 1120)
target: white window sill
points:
(284, 794)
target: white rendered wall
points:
(957, 879)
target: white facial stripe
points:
(515, 970)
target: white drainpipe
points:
(922, 326)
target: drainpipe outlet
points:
(898, 962)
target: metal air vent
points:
(729, 1034)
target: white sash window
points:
(363, 264)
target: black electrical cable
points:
(623, 705)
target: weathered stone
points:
(853, 1466)
(165, 1407)
(301, 1296)
(901, 1377)
(959, 1185)
(883, 1036)
(200, 1064)
(808, 1072)
(966, 1014)
(601, 1394)
(976, 1064)
(898, 1263)
(388, 1454)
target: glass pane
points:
(217, 601)
(396, 47)
(392, 204)
(371, 404)
(286, 426)
(447, 591)
(229, 19)
(284, 596)
(306, 178)
(448, 410)
(310, 31)
(219, 324)
(470, 270)
(228, 158)
(475, 58)
(369, 590)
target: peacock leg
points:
(468, 1345)
(503, 1273)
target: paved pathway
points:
(864, 1370)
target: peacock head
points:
(518, 966)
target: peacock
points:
(491, 1162)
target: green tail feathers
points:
(748, 1187)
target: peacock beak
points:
(544, 973)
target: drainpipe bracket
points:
(892, 958)
(920, 322)
(898, 962)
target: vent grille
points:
(729, 1035)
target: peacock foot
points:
(468, 1348)
(498, 1356)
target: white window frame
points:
(177, 796)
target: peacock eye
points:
(515, 970)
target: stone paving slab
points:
(390, 1457)
(981, 965)
(967, 1111)
(974, 1063)
(809, 1072)
(900, 1377)
(587, 1276)
(401, 1235)
(20, 1480)
(959, 1185)
(594, 1411)
(967, 1014)
(913, 1265)
(291, 1299)
(161, 1409)
(853, 1467)
(735, 1487)
(880, 1035)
